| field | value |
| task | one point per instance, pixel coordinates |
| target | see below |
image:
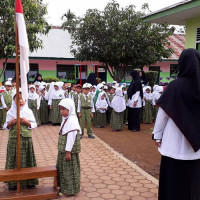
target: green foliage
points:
(152, 77)
(34, 12)
(50, 79)
(118, 38)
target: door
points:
(156, 69)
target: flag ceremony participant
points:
(118, 106)
(101, 107)
(27, 122)
(176, 132)
(85, 110)
(68, 163)
(6, 99)
(34, 103)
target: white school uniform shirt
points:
(79, 104)
(3, 101)
(147, 96)
(135, 97)
(34, 96)
(55, 94)
(174, 144)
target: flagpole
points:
(18, 104)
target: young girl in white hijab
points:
(34, 103)
(158, 93)
(68, 163)
(55, 97)
(44, 116)
(147, 104)
(27, 121)
(101, 107)
(118, 106)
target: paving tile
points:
(104, 174)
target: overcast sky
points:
(56, 8)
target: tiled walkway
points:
(105, 174)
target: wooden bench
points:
(30, 173)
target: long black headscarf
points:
(36, 78)
(135, 85)
(92, 79)
(181, 99)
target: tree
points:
(118, 38)
(34, 12)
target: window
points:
(10, 71)
(83, 69)
(173, 70)
(198, 39)
(32, 72)
(65, 72)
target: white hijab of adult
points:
(118, 103)
(72, 123)
(158, 93)
(25, 112)
(101, 103)
(32, 95)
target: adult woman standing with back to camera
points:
(177, 132)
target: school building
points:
(185, 13)
(55, 60)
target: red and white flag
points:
(24, 48)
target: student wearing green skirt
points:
(27, 121)
(68, 163)
(55, 97)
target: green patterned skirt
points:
(100, 119)
(32, 104)
(117, 120)
(4, 113)
(147, 112)
(44, 116)
(27, 159)
(68, 174)
(54, 115)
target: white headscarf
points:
(25, 112)
(72, 123)
(148, 96)
(118, 103)
(51, 87)
(158, 93)
(57, 94)
(32, 95)
(101, 103)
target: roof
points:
(177, 42)
(176, 14)
(56, 44)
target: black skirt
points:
(179, 179)
(134, 118)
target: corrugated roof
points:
(56, 44)
(177, 42)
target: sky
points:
(56, 8)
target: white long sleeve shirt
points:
(173, 142)
(3, 101)
(79, 104)
(136, 97)
(71, 137)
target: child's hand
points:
(50, 107)
(6, 108)
(79, 114)
(68, 156)
(13, 121)
(92, 115)
(135, 103)
(25, 122)
(37, 110)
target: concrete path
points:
(105, 174)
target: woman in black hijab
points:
(135, 95)
(143, 78)
(92, 79)
(177, 132)
(38, 78)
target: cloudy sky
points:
(56, 8)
